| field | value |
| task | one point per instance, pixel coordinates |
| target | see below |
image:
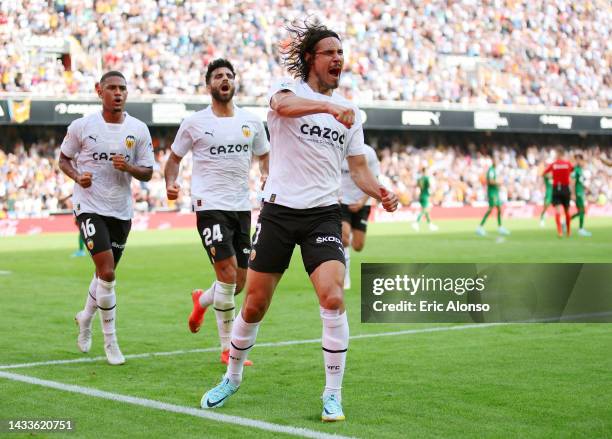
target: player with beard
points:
(109, 148)
(312, 129)
(222, 138)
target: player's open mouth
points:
(335, 72)
(225, 88)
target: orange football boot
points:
(196, 318)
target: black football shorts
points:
(316, 230)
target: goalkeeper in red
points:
(561, 170)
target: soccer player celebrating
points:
(312, 129)
(355, 205)
(494, 200)
(424, 187)
(547, 198)
(561, 170)
(110, 148)
(223, 138)
(578, 176)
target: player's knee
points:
(333, 301)
(253, 311)
(227, 274)
(106, 274)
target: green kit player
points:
(81, 251)
(547, 198)
(494, 201)
(578, 176)
(424, 186)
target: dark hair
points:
(110, 74)
(219, 62)
(579, 157)
(304, 37)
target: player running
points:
(424, 184)
(355, 205)
(578, 176)
(223, 138)
(494, 201)
(312, 129)
(561, 170)
(109, 147)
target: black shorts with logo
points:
(101, 233)
(358, 220)
(226, 233)
(317, 231)
(561, 195)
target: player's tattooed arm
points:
(65, 164)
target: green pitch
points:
(533, 380)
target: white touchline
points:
(259, 345)
(167, 407)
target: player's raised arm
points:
(287, 104)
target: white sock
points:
(335, 344)
(91, 306)
(225, 309)
(347, 258)
(105, 296)
(207, 297)
(243, 339)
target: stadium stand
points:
(546, 53)
(35, 187)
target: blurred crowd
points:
(34, 186)
(547, 52)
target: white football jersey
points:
(222, 150)
(92, 142)
(349, 192)
(306, 152)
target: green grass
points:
(536, 380)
